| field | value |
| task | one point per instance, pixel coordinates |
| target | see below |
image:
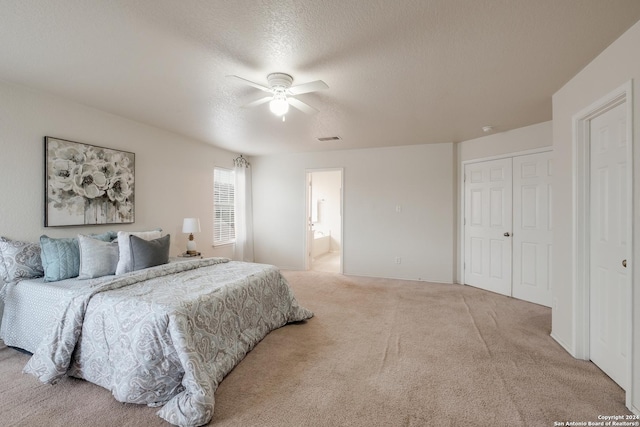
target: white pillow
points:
(97, 258)
(124, 261)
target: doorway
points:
(324, 220)
(603, 142)
(608, 243)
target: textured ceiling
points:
(399, 72)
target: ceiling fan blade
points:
(302, 106)
(250, 83)
(308, 87)
(258, 102)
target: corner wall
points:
(615, 66)
(174, 174)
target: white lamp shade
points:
(279, 106)
(191, 225)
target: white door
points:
(609, 244)
(532, 250)
(487, 225)
(308, 221)
(323, 220)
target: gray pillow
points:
(124, 246)
(19, 260)
(97, 257)
(149, 253)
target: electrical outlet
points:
(398, 208)
(398, 260)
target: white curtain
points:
(243, 212)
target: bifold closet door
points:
(487, 225)
(532, 250)
(507, 226)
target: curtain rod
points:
(240, 162)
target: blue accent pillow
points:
(60, 258)
(108, 236)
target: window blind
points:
(224, 230)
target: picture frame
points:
(87, 184)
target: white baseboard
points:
(437, 281)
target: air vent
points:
(329, 138)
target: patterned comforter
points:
(166, 335)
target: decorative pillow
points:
(149, 253)
(124, 261)
(61, 257)
(108, 236)
(19, 260)
(97, 258)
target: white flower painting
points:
(86, 184)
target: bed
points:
(162, 336)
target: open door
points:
(308, 222)
(323, 219)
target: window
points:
(224, 230)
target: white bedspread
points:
(166, 334)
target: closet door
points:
(532, 251)
(487, 225)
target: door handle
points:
(507, 234)
(624, 263)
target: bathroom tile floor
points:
(328, 263)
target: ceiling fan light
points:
(279, 105)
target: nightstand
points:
(185, 257)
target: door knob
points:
(507, 234)
(624, 263)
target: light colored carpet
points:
(377, 353)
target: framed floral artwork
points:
(87, 185)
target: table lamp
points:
(191, 225)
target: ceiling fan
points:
(282, 93)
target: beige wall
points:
(504, 143)
(173, 174)
(420, 179)
(615, 66)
